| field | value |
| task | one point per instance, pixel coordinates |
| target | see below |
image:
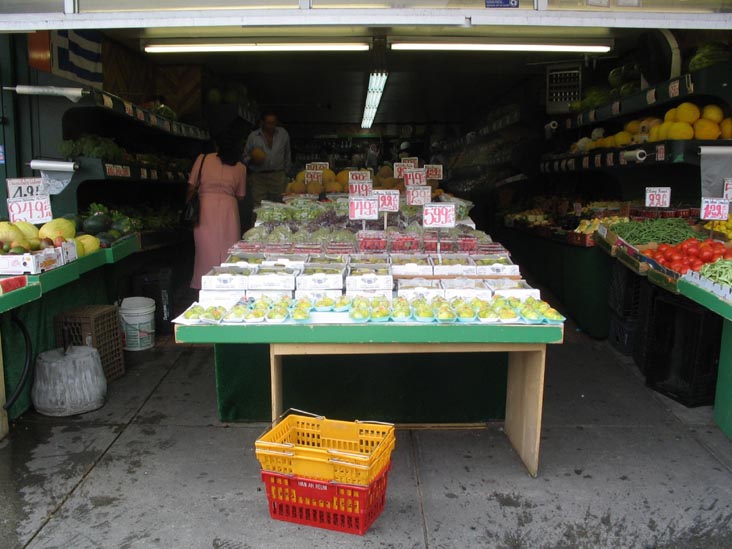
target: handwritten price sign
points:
(26, 187)
(714, 209)
(433, 171)
(727, 192)
(33, 210)
(658, 197)
(399, 168)
(363, 207)
(360, 188)
(316, 166)
(414, 177)
(312, 176)
(418, 196)
(388, 200)
(359, 176)
(438, 215)
(411, 161)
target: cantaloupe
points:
(333, 187)
(298, 186)
(314, 187)
(342, 177)
(328, 175)
(385, 171)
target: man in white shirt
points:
(267, 176)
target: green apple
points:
(553, 314)
(542, 306)
(465, 311)
(360, 303)
(506, 313)
(514, 302)
(300, 314)
(380, 312)
(325, 302)
(359, 314)
(401, 313)
(446, 314)
(488, 314)
(343, 302)
(423, 312)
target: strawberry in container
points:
(403, 242)
(467, 243)
(371, 241)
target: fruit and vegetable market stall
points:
(524, 344)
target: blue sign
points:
(2, 154)
(501, 3)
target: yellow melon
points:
(670, 115)
(706, 129)
(328, 175)
(314, 187)
(663, 130)
(623, 138)
(726, 127)
(633, 126)
(647, 124)
(300, 177)
(333, 187)
(687, 112)
(342, 177)
(298, 187)
(653, 134)
(713, 113)
(681, 130)
(385, 171)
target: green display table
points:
(723, 397)
(525, 346)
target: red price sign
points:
(414, 177)
(651, 96)
(438, 215)
(359, 176)
(660, 153)
(433, 171)
(129, 109)
(363, 207)
(411, 161)
(399, 168)
(26, 187)
(714, 209)
(616, 108)
(658, 197)
(388, 200)
(598, 161)
(312, 176)
(363, 188)
(418, 195)
(609, 159)
(727, 191)
(316, 166)
(33, 210)
(673, 89)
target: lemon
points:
(653, 134)
(633, 126)
(623, 138)
(670, 116)
(726, 127)
(610, 142)
(706, 129)
(663, 130)
(681, 130)
(687, 112)
(713, 112)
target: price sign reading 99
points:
(33, 210)
(714, 209)
(414, 177)
(399, 168)
(658, 197)
(363, 207)
(388, 200)
(438, 215)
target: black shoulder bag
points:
(192, 210)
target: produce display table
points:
(723, 397)
(524, 344)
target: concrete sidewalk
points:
(620, 467)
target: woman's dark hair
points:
(229, 144)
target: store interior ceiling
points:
(422, 88)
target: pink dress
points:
(219, 225)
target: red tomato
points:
(686, 260)
(693, 250)
(684, 269)
(661, 261)
(728, 254)
(705, 254)
(715, 257)
(649, 254)
(696, 265)
(675, 256)
(675, 266)
(663, 248)
(719, 248)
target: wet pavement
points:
(621, 466)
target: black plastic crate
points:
(684, 355)
(624, 295)
(646, 316)
(157, 285)
(623, 333)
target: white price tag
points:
(598, 161)
(727, 191)
(360, 188)
(418, 195)
(388, 200)
(107, 101)
(363, 207)
(673, 89)
(411, 161)
(438, 215)
(660, 153)
(316, 166)
(359, 176)
(33, 210)
(616, 108)
(591, 115)
(433, 171)
(414, 177)
(651, 96)
(312, 176)
(26, 187)
(714, 209)
(399, 168)
(129, 109)
(585, 162)
(658, 197)
(140, 114)
(609, 160)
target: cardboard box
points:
(31, 262)
(411, 265)
(453, 264)
(329, 260)
(512, 288)
(294, 261)
(273, 294)
(318, 294)
(369, 277)
(495, 265)
(467, 289)
(224, 298)
(370, 259)
(227, 278)
(388, 294)
(68, 250)
(419, 287)
(243, 259)
(273, 278)
(331, 278)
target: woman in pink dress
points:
(222, 184)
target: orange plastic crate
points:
(349, 452)
(330, 505)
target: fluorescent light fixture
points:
(227, 47)
(377, 81)
(479, 46)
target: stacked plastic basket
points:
(326, 473)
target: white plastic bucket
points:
(138, 323)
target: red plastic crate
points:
(330, 505)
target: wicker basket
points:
(96, 326)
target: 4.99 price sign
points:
(658, 197)
(360, 188)
(438, 215)
(714, 209)
(363, 207)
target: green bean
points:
(720, 271)
(670, 230)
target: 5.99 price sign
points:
(438, 215)
(363, 207)
(658, 197)
(714, 209)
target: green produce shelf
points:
(370, 333)
(55, 278)
(723, 398)
(122, 248)
(19, 297)
(91, 261)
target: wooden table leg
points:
(524, 399)
(275, 372)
